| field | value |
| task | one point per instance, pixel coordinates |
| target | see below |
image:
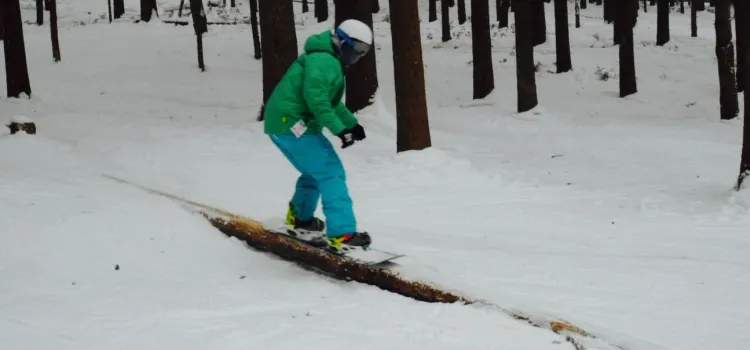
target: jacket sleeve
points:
(316, 93)
(346, 116)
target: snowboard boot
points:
(349, 241)
(310, 230)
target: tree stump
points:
(22, 124)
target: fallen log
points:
(257, 236)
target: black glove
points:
(348, 136)
(358, 132)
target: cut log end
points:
(27, 127)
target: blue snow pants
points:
(322, 175)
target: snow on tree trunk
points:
(729, 104)
(413, 129)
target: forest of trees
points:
(275, 44)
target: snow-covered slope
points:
(616, 214)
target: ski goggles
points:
(350, 49)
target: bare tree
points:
(321, 10)
(148, 7)
(432, 10)
(694, 18)
(462, 11)
(725, 57)
(119, 7)
(53, 30)
(540, 22)
(627, 12)
(445, 19)
(305, 6)
(525, 70)
(278, 41)
(662, 22)
(375, 6)
(562, 37)
(39, 12)
(362, 78)
(740, 17)
(258, 53)
(200, 26)
(16, 68)
(411, 101)
(744, 26)
(481, 47)
(503, 7)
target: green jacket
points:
(311, 90)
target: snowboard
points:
(370, 256)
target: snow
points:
(615, 214)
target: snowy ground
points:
(616, 214)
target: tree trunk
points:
(740, 16)
(200, 26)
(411, 101)
(682, 6)
(39, 12)
(375, 6)
(321, 10)
(432, 11)
(662, 22)
(119, 7)
(745, 158)
(279, 41)
(562, 38)
(693, 19)
(445, 19)
(725, 59)
(609, 7)
(578, 12)
(539, 28)
(362, 78)
(109, 9)
(481, 47)
(582, 4)
(16, 69)
(627, 10)
(502, 14)
(525, 70)
(148, 7)
(53, 30)
(462, 11)
(305, 6)
(258, 53)
(645, 6)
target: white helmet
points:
(352, 40)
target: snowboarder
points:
(306, 100)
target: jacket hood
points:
(320, 42)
